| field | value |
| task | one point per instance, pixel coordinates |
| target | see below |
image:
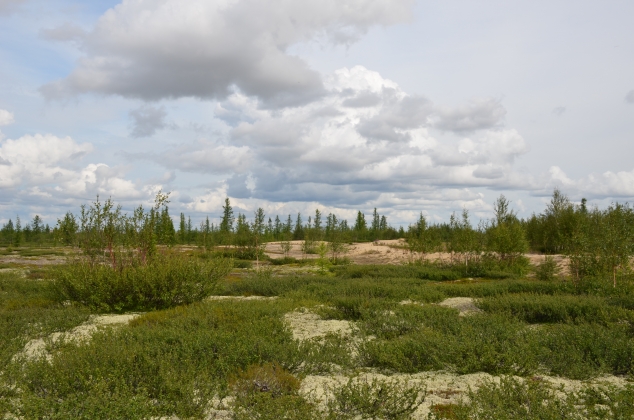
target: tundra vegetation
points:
(198, 348)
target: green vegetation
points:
(187, 355)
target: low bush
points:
(242, 264)
(535, 399)
(414, 339)
(548, 270)
(534, 308)
(514, 399)
(164, 281)
(375, 399)
(284, 261)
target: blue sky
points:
(403, 105)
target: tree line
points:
(595, 240)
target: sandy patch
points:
(394, 251)
(36, 348)
(241, 298)
(465, 305)
(34, 261)
(307, 325)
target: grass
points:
(184, 353)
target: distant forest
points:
(591, 237)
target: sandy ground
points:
(239, 298)
(307, 325)
(379, 252)
(36, 348)
(393, 251)
(32, 261)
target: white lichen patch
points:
(437, 387)
(307, 325)
(37, 348)
(465, 305)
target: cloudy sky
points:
(293, 105)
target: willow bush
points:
(164, 281)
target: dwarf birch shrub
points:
(164, 281)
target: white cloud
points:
(340, 153)
(199, 48)
(595, 185)
(48, 166)
(479, 114)
(6, 117)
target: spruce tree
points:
(226, 225)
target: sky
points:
(291, 105)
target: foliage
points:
(362, 398)
(548, 269)
(164, 281)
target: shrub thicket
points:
(164, 281)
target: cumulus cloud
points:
(37, 166)
(147, 120)
(364, 140)
(206, 49)
(629, 98)
(479, 114)
(608, 184)
(6, 117)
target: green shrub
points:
(242, 264)
(515, 399)
(165, 281)
(534, 308)
(535, 399)
(416, 339)
(548, 270)
(586, 350)
(375, 399)
(268, 391)
(283, 261)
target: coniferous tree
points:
(67, 229)
(17, 237)
(182, 229)
(278, 229)
(226, 224)
(298, 232)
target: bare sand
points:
(394, 251)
